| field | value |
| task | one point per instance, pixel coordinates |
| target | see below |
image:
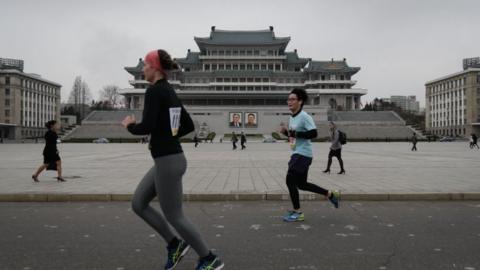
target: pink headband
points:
(153, 60)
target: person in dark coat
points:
(414, 142)
(243, 140)
(473, 141)
(234, 140)
(51, 158)
(195, 140)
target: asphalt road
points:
(247, 235)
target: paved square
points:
(372, 168)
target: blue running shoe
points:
(335, 198)
(210, 264)
(176, 253)
(293, 216)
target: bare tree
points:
(110, 93)
(80, 96)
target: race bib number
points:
(175, 119)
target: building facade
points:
(406, 103)
(452, 104)
(250, 73)
(27, 101)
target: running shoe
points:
(293, 216)
(176, 253)
(335, 198)
(210, 264)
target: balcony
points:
(242, 57)
(134, 82)
(351, 82)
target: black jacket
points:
(161, 119)
(50, 143)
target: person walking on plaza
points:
(301, 129)
(474, 141)
(243, 140)
(335, 148)
(51, 157)
(234, 140)
(414, 142)
(195, 140)
(166, 120)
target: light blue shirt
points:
(301, 122)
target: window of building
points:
(333, 77)
(270, 66)
(277, 67)
(7, 80)
(242, 80)
(256, 67)
(7, 91)
(7, 113)
(258, 80)
(264, 66)
(242, 66)
(235, 67)
(323, 77)
(207, 67)
(7, 102)
(256, 52)
(249, 66)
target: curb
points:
(208, 197)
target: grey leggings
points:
(164, 180)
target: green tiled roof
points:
(192, 58)
(330, 66)
(137, 69)
(258, 37)
(292, 57)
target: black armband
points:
(311, 134)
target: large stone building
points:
(452, 103)
(27, 101)
(245, 76)
(406, 103)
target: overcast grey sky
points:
(399, 45)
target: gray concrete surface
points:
(376, 171)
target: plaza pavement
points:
(375, 171)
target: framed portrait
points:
(251, 119)
(235, 120)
